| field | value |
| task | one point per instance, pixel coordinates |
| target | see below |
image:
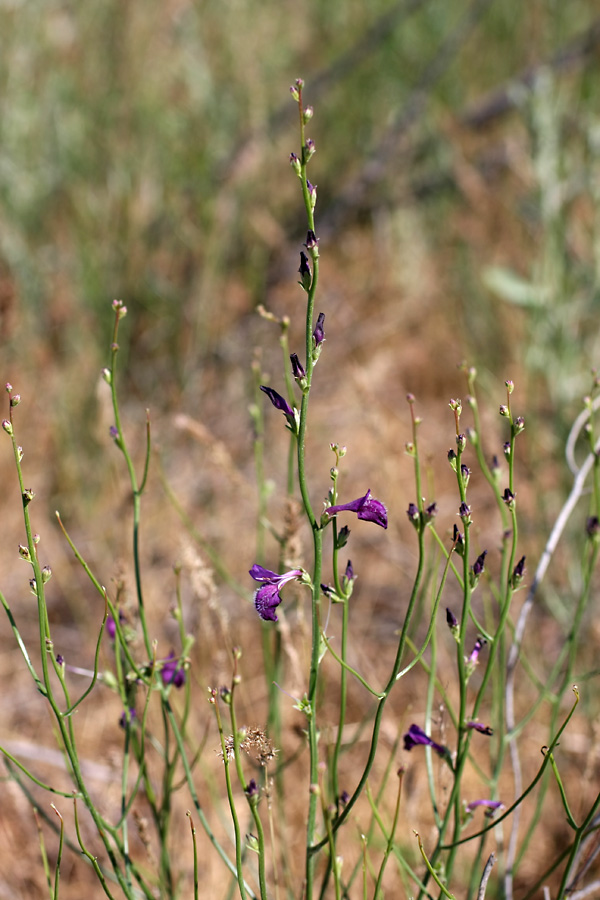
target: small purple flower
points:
(431, 512)
(171, 673)
(490, 805)
(482, 729)
(60, 659)
(114, 432)
(473, 658)
(349, 573)
(278, 402)
(267, 597)
(319, 332)
(415, 736)
(111, 625)
(366, 507)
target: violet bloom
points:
(278, 402)
(474, 657)
(415, 736)
(490, 805)
(171, 673)
(366, 507)
(267, 597)
(479, 564)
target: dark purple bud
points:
(344, 797)
(295, 164)
(319, 332)
(464, 511)
(367, 508)
(482, 729)
(509, 498)
(252, 789)
(458, 541)
(506, 448)
(328, 590)
(518, 573)
(278, 401)
(127, 717)
(349, 573)
(592, 527)
(312, 240)
(451, 618)
(461, 442)
(60, 659)
(431, 512)
(479, 564)
(413, 514)
(114, 432)
(267, 597)
(297, 368)
(171, 673)
(305, 273)
(309, 149)
(452, 458)
(518, 425)
(490, 805)
(466, 474)
(415, 736)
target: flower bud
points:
(305, 273)
(7, 426)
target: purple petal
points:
(415, 736)
(259, 573)
(266, 600)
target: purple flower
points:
(111, 625)
(415, 736)
(267, 597)
(366, 507)
(490, 805)
(482, 729)
(278, 401)
(319, 332)
(473, 658)
(171, 673)
(349, 573)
